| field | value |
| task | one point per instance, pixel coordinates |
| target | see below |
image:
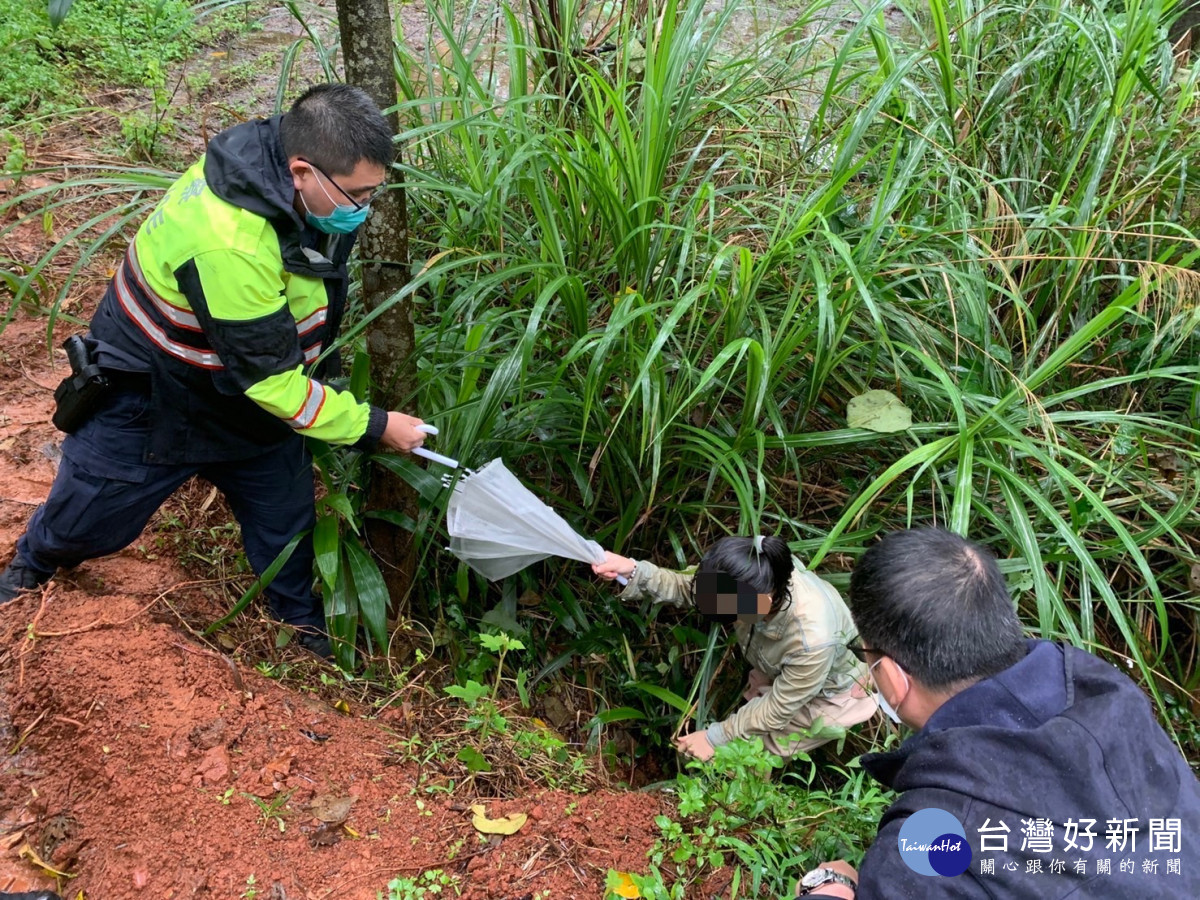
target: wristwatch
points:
(818, 877)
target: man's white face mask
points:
(878, 695)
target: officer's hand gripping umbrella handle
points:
(429, 454)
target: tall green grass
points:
(655, 298)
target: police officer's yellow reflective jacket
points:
(227, 299)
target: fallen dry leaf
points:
(510, 824)
(28, 853)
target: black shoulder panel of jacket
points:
(251, 350)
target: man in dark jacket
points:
(1037, 770)
(215, 336)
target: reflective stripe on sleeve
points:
(309, 322)
(311, 407)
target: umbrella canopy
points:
(498, 526)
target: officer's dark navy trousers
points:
(105, 493)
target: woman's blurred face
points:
(723, 597)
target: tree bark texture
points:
(367, 35)
(1185, 31)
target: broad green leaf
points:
(58, 10)
(879, 411)
(327, 549)
(469, 693)
(474, 760)
(372, 591)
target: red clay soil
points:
(138, 749)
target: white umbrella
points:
(498, 526)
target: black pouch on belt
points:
(80, 394)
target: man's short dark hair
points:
(936, 604)
(337, 126)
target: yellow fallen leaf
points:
(27, 852)
(342, 706)
(510, 824)
(625, 887)
(218, 54)
(350, 831)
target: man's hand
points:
(613, 566)
(835, 890)
(401, 432)
(695, 745)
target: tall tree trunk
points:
(367, 34)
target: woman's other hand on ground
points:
(695, 745)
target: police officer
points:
(213, 335)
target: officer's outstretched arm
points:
(239, 301)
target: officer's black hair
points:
(936, 604)
(767, 571)
(337, 126)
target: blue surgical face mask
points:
(343, 220)
(887, 708)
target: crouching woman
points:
(804, 686)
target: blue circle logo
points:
(934, 842)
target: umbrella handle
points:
(429, 454)
(622, 580)
(435, 457)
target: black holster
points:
(83, 391)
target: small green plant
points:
(15, 157)
(552, 758)
(226, 797)
(251, 891)
(271, 810)
(740, 811)
(501, 644)
(470, 693)
(486, 717)
(432, 882)
(268, 669)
